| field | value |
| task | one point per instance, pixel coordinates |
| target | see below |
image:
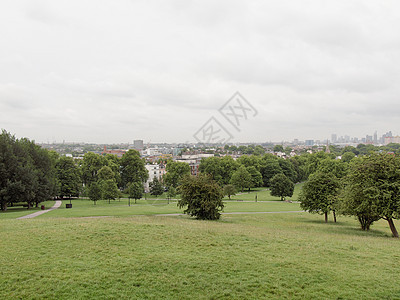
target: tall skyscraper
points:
(334, 138)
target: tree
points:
(132, 168)
(288, 169)
(319, 194)
(176, 170)
(135, 190)
(95, 192)
(250, 160)
(269, 169)
(105, 173)
(334, 167)
(109, 189)
(348, 156)
(114, 162)
(278, 148)
(229, 190)
(43, 180)
(171, 193)
(221, 169)
(91, 164)
(68, 177)
(256, 177)
(26, 172)
(202, 196)
(241, 178)
(373, 188)
(156, 187)
(281, 186)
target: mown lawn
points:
(269, 256)
(86, 208)
(263, 194)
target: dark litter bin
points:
(42, 207)
(68, 205)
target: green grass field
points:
(133, 254)
(278, 256)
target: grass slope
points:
(271, 256)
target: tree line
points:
(367, 187)
(31, 175)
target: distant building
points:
(392, 139)
(155, 171)
(138, 145)
(309, 142)
(117, 152)
(193, 160)
(334, 138)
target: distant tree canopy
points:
(175, 172)
(220, 169)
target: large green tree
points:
(68, 177)
(319, 194)
(132, 168)
(372, 188)
(91, 164)
(241, 178)
(281, 186)
(202, 197)
(109, 189)
(269, 169)
(256, 177)
(95, 192)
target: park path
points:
(41, 212)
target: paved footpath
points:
(41, 212)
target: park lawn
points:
(269, 256)
(19, 211)
(263, 194)
(86, 208)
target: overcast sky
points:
(114, 71)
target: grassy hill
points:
(274, 256)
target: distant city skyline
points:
(116, 71)
(139, 144)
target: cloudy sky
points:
(114, 71)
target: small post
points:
(256, 197)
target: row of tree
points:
(30, 174)
(368, 188)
